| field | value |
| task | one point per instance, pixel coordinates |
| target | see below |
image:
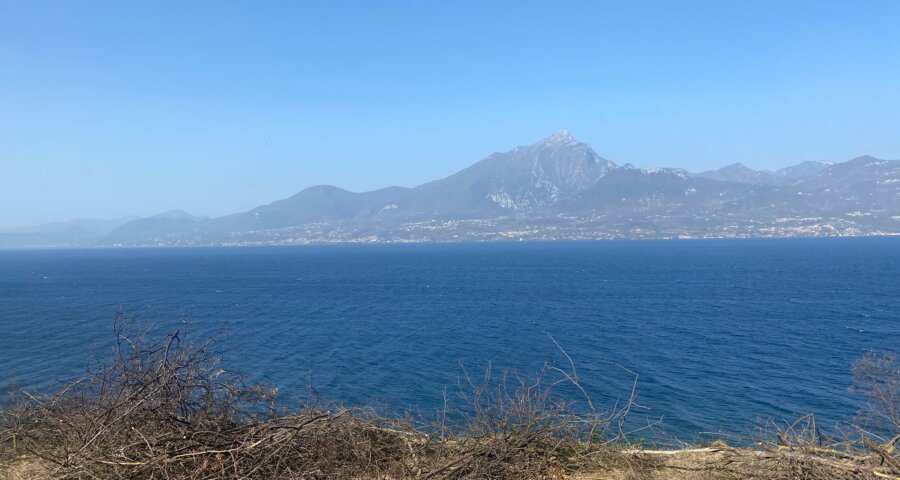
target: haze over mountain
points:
(556, 188)
(60, 234)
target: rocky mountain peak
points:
(557, 139)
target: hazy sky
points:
(117, 108)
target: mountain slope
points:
(800, 170)
(323, 203)
(560, 188)
(175, 227)
(515, 181)
(862, 186)
(739, 173)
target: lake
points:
(723, 334)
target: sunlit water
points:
(723, 334)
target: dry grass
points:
(167, 409)
(726, 463)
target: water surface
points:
(723, 333)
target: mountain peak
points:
(175, 215)
(561, 137)
(736, 166)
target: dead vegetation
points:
(167, 409)
(800, 450)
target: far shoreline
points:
(493, 241)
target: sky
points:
(119, 108)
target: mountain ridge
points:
(558, 188)
(740, 173)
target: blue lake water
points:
(723, 333)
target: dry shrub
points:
(168, 409)
(866, 451)
(876, 376)
(515, 428)
(801, 450)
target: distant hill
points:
(738, 173)
(322, 203)
(556, 188)
(175, 227)
(72, 233)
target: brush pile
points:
(167, 409)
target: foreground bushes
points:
(168, 409)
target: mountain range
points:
(737, 172)
(557, 188)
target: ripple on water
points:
(721, 332)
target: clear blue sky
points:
(121, 107)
